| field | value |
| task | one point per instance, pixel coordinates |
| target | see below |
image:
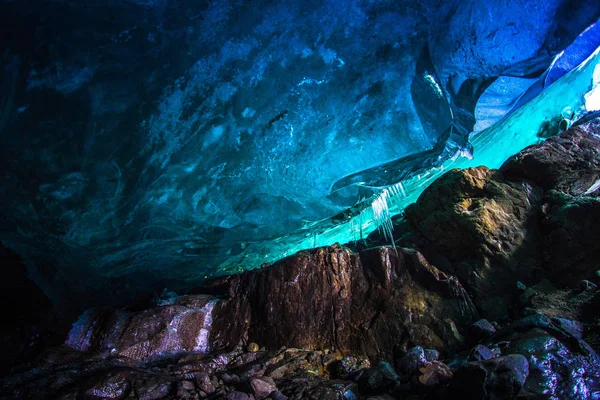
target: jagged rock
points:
(321, 298)
(498, 378)
(571, 241)
(332, 298)
(309, 386)
(499, 227)
(152, 389)
(185, 390)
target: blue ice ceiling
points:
(155, 143)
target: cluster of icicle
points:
(381, 210)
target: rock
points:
(561, 365)
(571, 238)
(237, 396)
(480, 331)
(185, 390)
(378, 379)
(115, 386)
(587, 285)
(276, 395)
(432, 355)
(567, 167)
(435, 373)
(478, 221)
(152, 389)
(262, 387)
(347, 366)
(569, 162)
(310, 386)
(481, 353)
(204, 383)
(369, 299)
(412, 361)
(177, 327)
(498, 378)
(230, 379)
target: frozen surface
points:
(151, 144)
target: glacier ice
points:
(152, 144)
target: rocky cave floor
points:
(489, 292)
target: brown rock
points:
(486, 227)
(332, 298)
(567, 167)
(435, 373)
(569, 162)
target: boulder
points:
(331, 297)
(568, 163)
(181, 326)
(435, 374)
(379, 379)
(485, 226)
(498, 378)
(561, 364)
(567, 168)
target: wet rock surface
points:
(383, 322)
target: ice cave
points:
(287, 199)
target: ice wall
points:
(152, 144)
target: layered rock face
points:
(390, 321)
(377, 303)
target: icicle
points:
(401, 187)
(381, 215)
(360, 221)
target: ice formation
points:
(157, 144)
